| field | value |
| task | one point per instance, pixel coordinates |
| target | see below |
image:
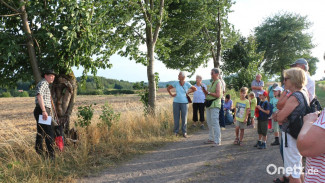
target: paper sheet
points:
(45, 122)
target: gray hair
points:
(183, 73)
(216, 70)
(199, 76)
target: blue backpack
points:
(271, 108)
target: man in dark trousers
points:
(43, 107)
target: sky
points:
(246, 15)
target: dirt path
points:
(189, 160)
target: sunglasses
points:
(285, 79)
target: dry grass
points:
(98, 147)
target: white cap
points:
(278, 88)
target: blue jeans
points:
(222, 115)
(180, 109)
(213, 124)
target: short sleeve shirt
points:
(198, 95)
(228, 104)
(316, 163)
(43, 89)
(253, 103)
(255, 83)
(310, 87)
(265, 106)
(274, 102)
(180, 92)
(241, 109)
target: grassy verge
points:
(98, 148)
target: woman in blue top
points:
(180, 106)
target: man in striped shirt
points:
(311, 144)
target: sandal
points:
(240, 143)
(236, 141)
(278, 180)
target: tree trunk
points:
(211, 46)
(151, 80)
(64, 92)
(218, 56)
(30, 44)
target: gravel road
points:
(189, 160)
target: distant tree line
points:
(91, 86)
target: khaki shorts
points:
(262, 127)
(275, 126)
(241, 125)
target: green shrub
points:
(114, 92)
(85, 114)
(6, 94)
(108, 115)
(23, 94)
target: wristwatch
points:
(208, 93)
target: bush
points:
(85, 114)
(114, 92)
(108, 115)
(6, 94)
(23, 94)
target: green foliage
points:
(108, 115)
(6, 94)
(242, 63)
(66, 34)
(100, 85)
(284, 38)
(116, 92)
(85, 114)
(144, 93)
(24, 94)
(190, 33)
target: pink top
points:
(315, 167)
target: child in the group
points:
(241, 114)
(228, 110)
(264, 110)
(274, 101)
(253, 103)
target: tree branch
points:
(161, 11)
(8, 6)
(11, 15)
(144, 12)
(144, 40)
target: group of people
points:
(284, 105)
(287, 104)
(202, 95)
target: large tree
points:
(195, 32)
(139, 23)
(284, 38)
(242, 63)
(57, 35)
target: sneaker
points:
(194, 126)
(185, 135)
(176, 134)
(275, 143)
(263, 146)
(215, 144)
(223, 128)
(209, 142)
(258, 143)
(202, 127)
